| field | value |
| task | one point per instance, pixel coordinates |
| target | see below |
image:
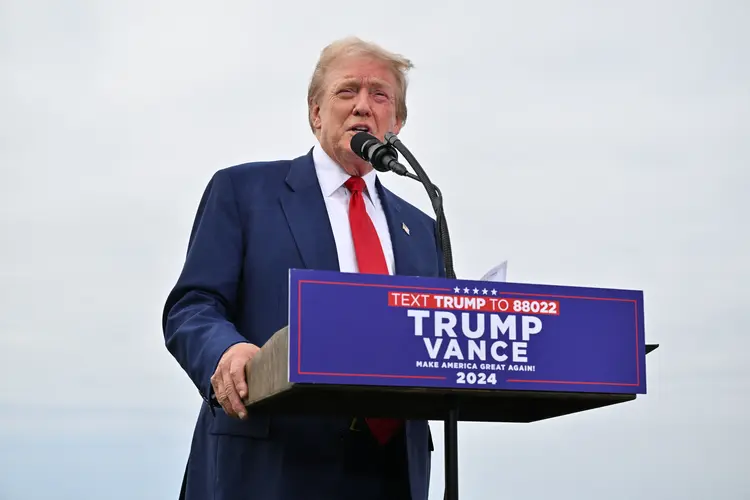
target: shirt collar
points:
(331, 176)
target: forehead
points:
(360, 69)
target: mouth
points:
(359, 128)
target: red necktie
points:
(370, 260)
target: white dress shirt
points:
(332, 178)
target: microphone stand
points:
(436, 198)
(443, 237)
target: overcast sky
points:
(589, 143)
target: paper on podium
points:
(497, 273)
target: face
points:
(358, 94)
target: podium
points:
(449, 349)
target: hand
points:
(229, 381)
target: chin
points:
(363, 167)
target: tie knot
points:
(355, 184)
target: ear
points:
(397, 124)
(315, 116)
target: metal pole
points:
(451, 454)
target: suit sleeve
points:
(198, 313)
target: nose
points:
(362, 105)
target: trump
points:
(325, 210)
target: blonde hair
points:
(353, 46)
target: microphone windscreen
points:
(358, 142)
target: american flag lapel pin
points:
(405, 227)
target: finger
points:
(218, 385)
(237, 372)
(234, 404)
(223, 399)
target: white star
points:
(476, 290)
(494, 292)
(466, 290)
(457, 290)
(484, 291)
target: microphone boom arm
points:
(436, 198)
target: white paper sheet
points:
(497, 273)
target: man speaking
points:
(325, 210)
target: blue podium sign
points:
(358, 329)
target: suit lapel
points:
(307, 216)
(404, 244)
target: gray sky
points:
(590, 143)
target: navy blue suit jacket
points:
(254, 222)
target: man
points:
(325, 210)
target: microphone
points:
(380, 156)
